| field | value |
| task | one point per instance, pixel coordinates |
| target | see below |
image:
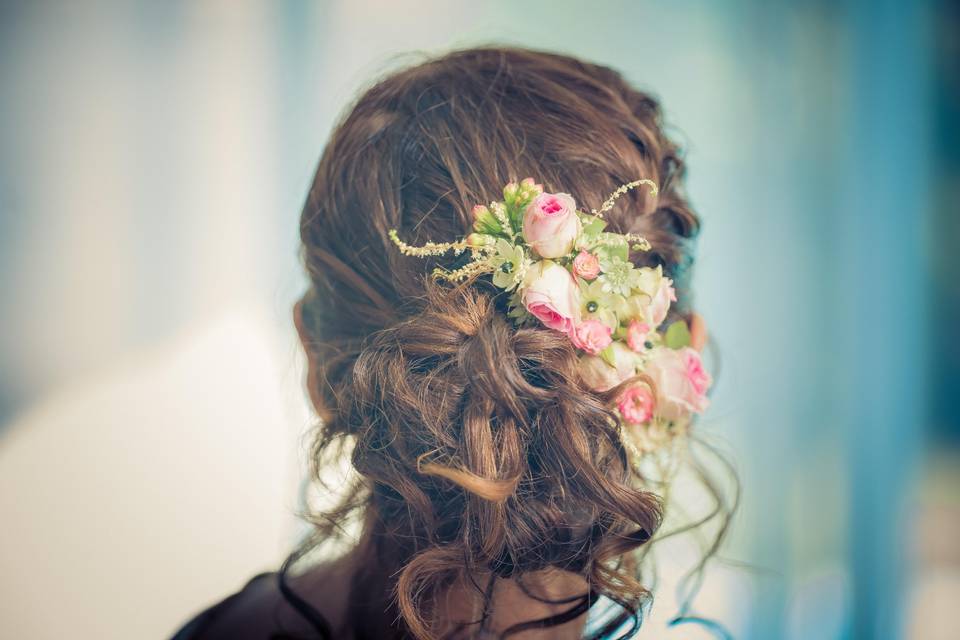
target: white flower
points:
(509, 265)
(652, 296)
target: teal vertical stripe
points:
(883, 229)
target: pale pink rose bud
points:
(660, 302)
(591, 336)
(637, 335)
(586, 265)
(601, 376)
(480, 210)
(680, 380)
(510, 191)
(552, 296)
(636, 404)
(551, 225)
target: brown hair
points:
(477, 448)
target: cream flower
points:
(597, 304)
(509, 265)
(655, 297)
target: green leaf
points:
(677, 335)
(593, 225)
(613, 245)
(516, 310)
(607, 356)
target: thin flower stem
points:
(609, 202)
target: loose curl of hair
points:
(476, 446)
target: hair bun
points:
(487, 440)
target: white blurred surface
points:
(139, 495)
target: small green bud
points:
(531, 187)
(480, 240)
(485, 222)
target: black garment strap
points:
(301, 606)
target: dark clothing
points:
(260, 611)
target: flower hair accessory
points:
(563, 270)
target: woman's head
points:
(479, 450)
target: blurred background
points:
(154, 159)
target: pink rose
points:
(591, 336)
(636, 404)
(551, 225)
(552, 296)
(696, 374)
(660, 302)
(637, 335)
(681, 381)
(600, 376)
(586, 265)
